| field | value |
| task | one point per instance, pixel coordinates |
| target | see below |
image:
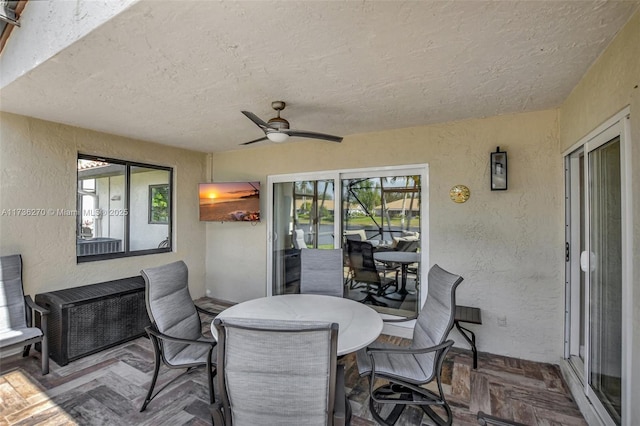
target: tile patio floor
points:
(108, 388)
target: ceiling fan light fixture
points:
(277, 137)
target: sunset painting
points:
(230, 201)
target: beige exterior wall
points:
(611, 84)
(507, 245)
(38, 170)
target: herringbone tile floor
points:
(108, 388)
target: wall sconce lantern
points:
(498, 170)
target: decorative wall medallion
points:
(459, 194)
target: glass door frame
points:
(337, 175)
(616, 126)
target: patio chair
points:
(407, 369)
(321, 272)
(175, 330)
(298, 239)
(16, 313)
(274, 372)
(365, 270)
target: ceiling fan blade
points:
(313, 135)
(257, 120)
(264, 138)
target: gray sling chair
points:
(322, 272)
(176, 331)
(16, 313)
(273, 372)
(407, 369)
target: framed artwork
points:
(159, 203)
(498, 170)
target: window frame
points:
(127, 205)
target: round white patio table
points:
(358, 324)
(404, 258)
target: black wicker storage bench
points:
(85, 320)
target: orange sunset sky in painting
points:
(210, 193)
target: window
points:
(123, 208)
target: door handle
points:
(587, 261)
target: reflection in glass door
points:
(303, 217)
(383, 211)
(605, 238)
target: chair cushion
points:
(12, 310)
(359, 232)
(290, 360)
(405, 367)
(171, 308)
(321, 272)
(11, 337)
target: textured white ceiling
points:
(179, 73)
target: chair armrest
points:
(35, 307)
(340, 401)
(162, 336)
(29, 314)
(204, 311)
(409, 351)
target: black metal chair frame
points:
(157, 338)
(44, 342)
(354, 248)
(401, 393)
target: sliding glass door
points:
(302, 217)
(597, 256)
(605, 277)
(384, 207)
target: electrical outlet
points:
(502, 321)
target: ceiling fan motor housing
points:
(278, 123)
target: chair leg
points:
(44, 354)
(395, 413)
(210, 374)
(156, 352)
(400, 396)
(26, 350)
(370, 299)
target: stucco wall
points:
(38, 170)
(507, 245)
(611, 84)
(47, 27)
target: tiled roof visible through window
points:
(9, 18)
(90, 164)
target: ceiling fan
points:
(277, 129)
